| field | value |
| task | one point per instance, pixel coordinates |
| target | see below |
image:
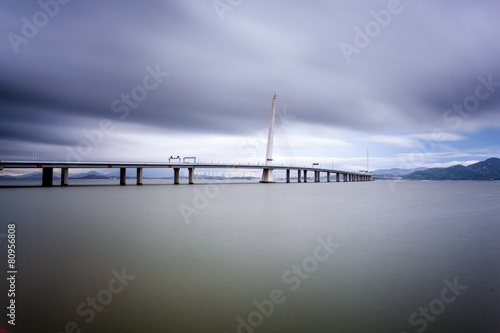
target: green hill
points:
(485, 170)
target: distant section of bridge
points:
(49, 166)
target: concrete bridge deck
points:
(49, 166)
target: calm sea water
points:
(329, 257)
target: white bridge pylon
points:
(267, 173)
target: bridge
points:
(49, 166)
(267, 168)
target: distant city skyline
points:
(416, 82)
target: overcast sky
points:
(417, 82)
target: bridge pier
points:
(47, 177)
(267, 176)
(287, 175)
(123, 176)
(305, 176)
(328, 177)
(316, 176)
(191, 175)
(337, 176)
(176, 176)
(64, 176)
(299, 176)
(139, 176)
(344, 177)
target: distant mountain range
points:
(395, 172)
(57, 175)
(485, 170)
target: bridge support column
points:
(305, 176)
(328, 176)
(287, 175)
(344, 177)
(337, 177)
(64, 176)
(267, 176)
(123, 176)
(299, 176)
(176, 176)
(47, 177)
(317, 176)
(139, 176)
(191, 175)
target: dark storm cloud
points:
(222, 74)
